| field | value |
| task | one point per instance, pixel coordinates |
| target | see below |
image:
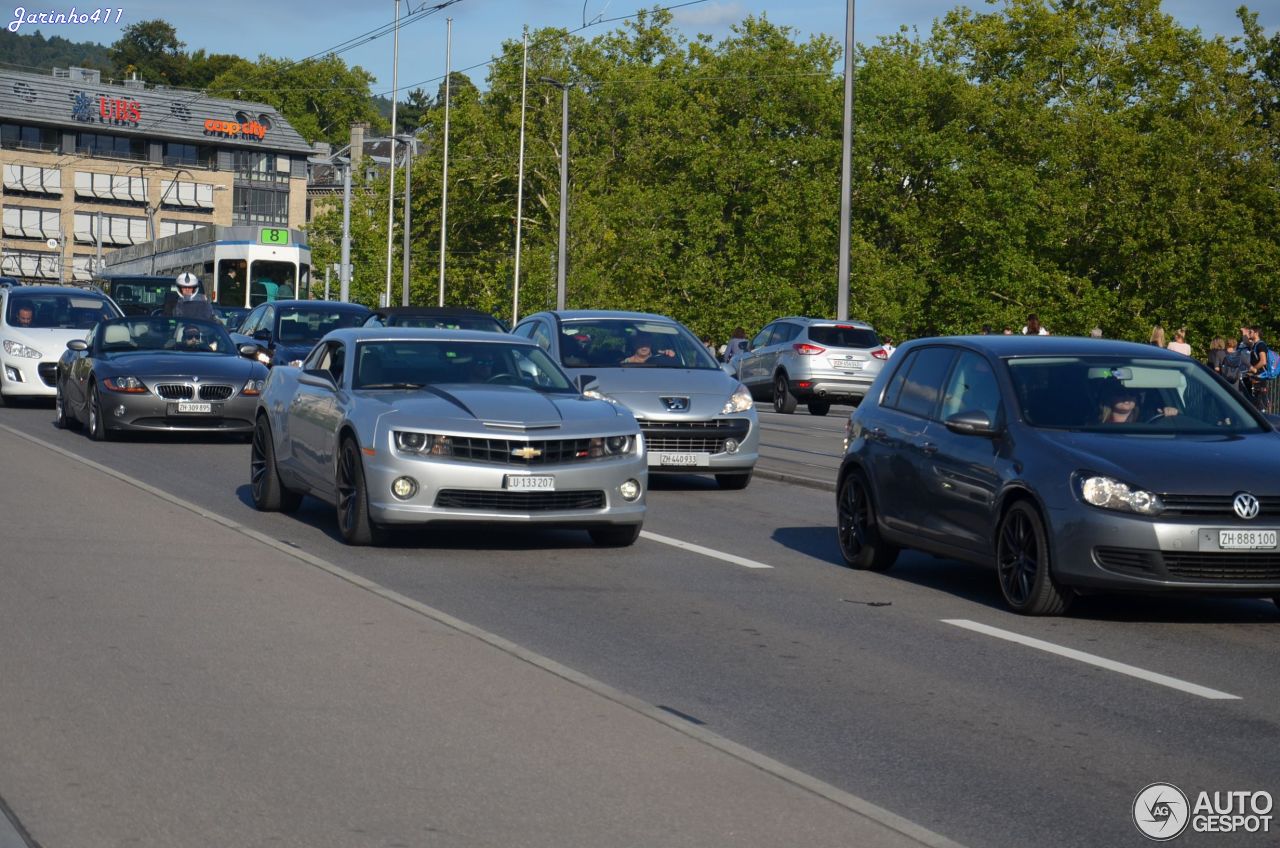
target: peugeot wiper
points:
(392, 386)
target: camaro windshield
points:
(1126, 395)
(414, 364)
(306, 325)
(176, 335)
(628, 343)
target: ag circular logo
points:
(1161, 811)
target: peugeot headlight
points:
(596, 394)
(739, 401)
(1109, 493)
(19, 349)
(426, 444)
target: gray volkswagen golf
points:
(1071, 465)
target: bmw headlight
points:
(253, 387)
(1109, 493)
(19, 349)
(739, 401)
(427, 444)
(596, 394)
(126, 385)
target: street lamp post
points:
(564, 185)
(408, 142)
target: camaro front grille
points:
(1213, 505)
(502, 451)
(175, 391)
(518, 501)
(1191, 565)
(693, 436)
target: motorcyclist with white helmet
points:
(190, 303)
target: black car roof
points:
(1020, 345)
(320, 304)
(433, 310)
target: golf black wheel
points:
(857, 529)
(1022, 564)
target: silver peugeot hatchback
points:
(812, 361)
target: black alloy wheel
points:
(268, 491)
(61, 419)
(856, 528)
(615, 535)
(353, 499)
(819, 407)
(97, 419)
(783, 400)
(1022, 564)
(733, 482)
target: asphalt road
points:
(882, 685)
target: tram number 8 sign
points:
(269, 235)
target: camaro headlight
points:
(739, 401)
(1109, 493)
(19, 349)
(253, 387)
(596, 394)
(427, 444)
(612, 446)
(127, 385)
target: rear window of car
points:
(839, 336)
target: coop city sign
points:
(235, 129)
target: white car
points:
(36, 322)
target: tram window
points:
(272, 280)
(231, 282)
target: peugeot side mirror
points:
(972, 423)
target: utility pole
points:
(846, 169)
(524, 86)
(391, 192)
(564, 187)
(344, 275)
(408, 183)
(444, 189)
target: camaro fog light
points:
(630, 490)
(404, 488)
(730, 445)
(1108, 493)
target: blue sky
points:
(297, 28)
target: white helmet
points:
(188, 280)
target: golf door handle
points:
(928, 448)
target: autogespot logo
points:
(1160, 811)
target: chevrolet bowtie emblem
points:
(526, 452)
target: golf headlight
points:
(253, 387)
(1108, 493)
(426, 444)
(611, 446)
(739, 401)
(596, 394)
(19, 349)
(128, 385)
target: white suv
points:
(811, 360)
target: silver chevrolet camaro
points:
(400, 426)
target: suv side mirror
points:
(972, 423)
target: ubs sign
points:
(106, 110)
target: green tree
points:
(150, 49)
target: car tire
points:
(268, 491)
(819, 407)
(857, 530)
(61, 419)
(783, 400)
(353, 499)
(733, 482)
(615, 535)
(97, 419)
(1023, 569)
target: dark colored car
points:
(9, 282)
(1070, 465)
(157, 373)
(436, 318)
(286, 330)
(231, 316)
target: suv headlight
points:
(1108, 493)
(19, 349)
(739, 401)
(426, 444)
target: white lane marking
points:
(1093, 659)
(698, 549)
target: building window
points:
(259, 206)
(189, 154)
(26, 137)
(32, 222)
(111, 186)
(193, 195)
(25, 263)
(109, 146)
(258, 167)
(32, 179)
(116, 229)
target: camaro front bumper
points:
(1096, 548)
(581, 494)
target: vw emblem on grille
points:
(676, 404)
(526, 452)
(1246, 505)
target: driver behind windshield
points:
(1121, 405)
(642, 351)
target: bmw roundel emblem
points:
(1245, 505)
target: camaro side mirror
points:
(972, 423)
(317, 377)
(248, 351)
(77, 345)
(584, 381)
